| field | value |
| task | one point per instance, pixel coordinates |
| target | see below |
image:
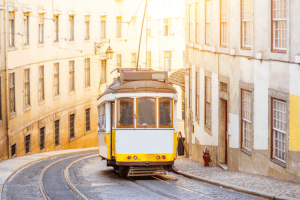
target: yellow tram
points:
(137, 126)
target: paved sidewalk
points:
(250, 183)
(10, 166)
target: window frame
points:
(72, 134)
(87, 72)
(274, 49)
(103, 71)
(197, 23)
(71, 27)
(12, 93)
(172, 109)
(26, 29)
(87, 28)
(56, 75)
(133, 114)
(57, 132)
(168, 60)
(98, 115)
(13, 147)
(11, 40)
(247, 150)
(197, 95)
(103, 27)
(71, 76)
(27, 87)
(41, 28)
(87, 119)
(224, 21)
(119, 27)
(246, 46)
(206, 114)
(137, 113)
(42, 138)
(27, 143)
(55, 28)
(167, 27)
(41, 87)
(273, 157)
(208, 22)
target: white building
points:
(242, 90)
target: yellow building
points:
(53, 65)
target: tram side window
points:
(101, 118)
(165, 113)
(146, 112)
(125, 112)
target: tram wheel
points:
(123, 171)
(116, 167)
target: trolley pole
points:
(137, 63)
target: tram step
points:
(146, 171)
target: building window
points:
(56, 79)
(0, 99)
(167, 26)
(279, 128)
(26, 29)
(71, 27)
(197, 92)
(279, 25)
(27, 87)
(119, 27)
(13, 150)
(87, 119)
(246, 120)
(71, 76)
(208, 102)
(42, 138)
(149, 20)
(12, 107)
(103, 71)
(27, 143)
(190, 87)
(148, 60)
(72, 126)
(41, 84)
(56, 132)
(207, 22)
(246, 24)
(223, 23)
(133, 60)
(197, 18)
(133, 27)
(103, 27)
(11, 29)
(119, 60)
(41, 28)
(87, 28)
(168, 60)
(190, 24)
(56, 28)
(87, 73)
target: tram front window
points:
(125, 112)
(101, 118)
(165, 113)
(146, 112)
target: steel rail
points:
(190, 190)
(67, 179)
(41, 185)
(153, 190)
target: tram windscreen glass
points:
(165, 112)
(101, 118)
(125, 112)
(146, 112)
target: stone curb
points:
(234, 187)
(47, 156)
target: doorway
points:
(223, 128)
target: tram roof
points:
(140, 82)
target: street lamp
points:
(109, 52)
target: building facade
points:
(53, 65)
(242, 85)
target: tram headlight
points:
(128, 157)
(134, 157)
(163, 157)
(157, 157)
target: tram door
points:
(112, 131)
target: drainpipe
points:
(6, 78)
